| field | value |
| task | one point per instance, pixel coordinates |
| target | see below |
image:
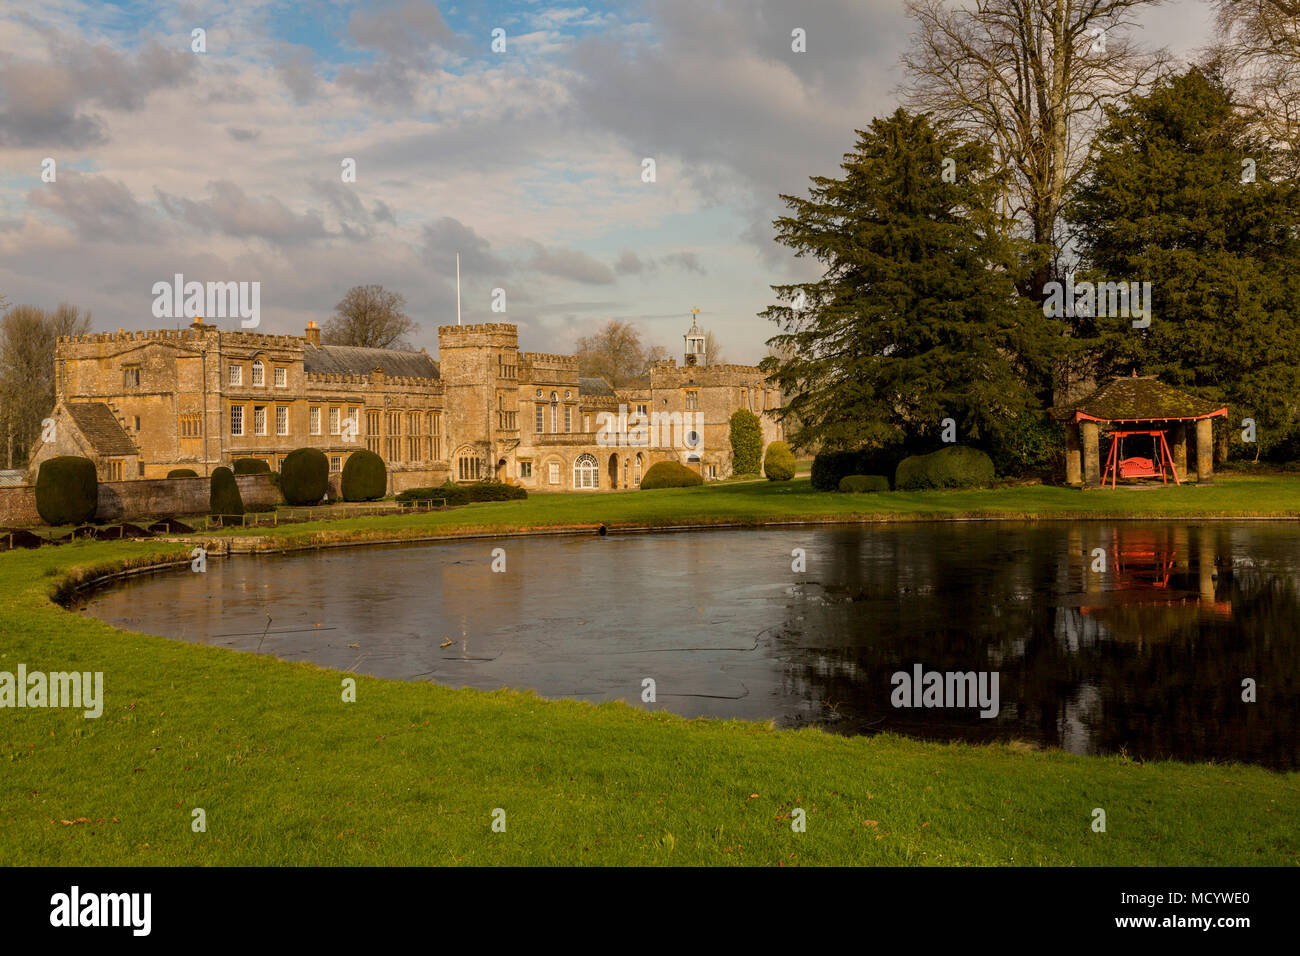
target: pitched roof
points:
(594, 386)
(100, 426)
(354, 360)
(1143, 399)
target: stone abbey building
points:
(140, 404)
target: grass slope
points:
(410, 774)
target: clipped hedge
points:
(364, 476)
(465, 494)
(830, 467)
(746, 436)
(670, 474)
(304, 476)
(857, 484)
(778, 462)
(954, 467)
(223, 496)
(251, 466)
(67, 490)
(182, 473)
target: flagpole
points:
(458, 288)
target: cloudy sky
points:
(226, 164)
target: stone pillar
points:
(1179, 449)
(1091, 454)
(1205, 451)
(1073, 461)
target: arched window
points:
(469, 466)
(259, 372)
(555, 412)
(636, 471)
(585, 471)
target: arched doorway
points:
(613, 472)
(501, 470)
(636, 471)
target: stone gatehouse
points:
(141, 404)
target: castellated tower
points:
(480, 373)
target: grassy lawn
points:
(410, 773)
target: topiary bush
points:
(224, 498)
(455, 494)
(304, 476)
(670, 474)
(857, 484)
(182, 473)
(829, 467)
(251, 466)
(954, 467)
(67, 490)
(778, 462)
(364, 476)
(746, 442)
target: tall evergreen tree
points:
(1180, 194)
(916, 318)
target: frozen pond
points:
(1141, 646)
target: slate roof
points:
(100, 426)
(353, 360)
(594, 386)
(1143, 398)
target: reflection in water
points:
(1107, 638)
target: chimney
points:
(197, 323)
(313, 332)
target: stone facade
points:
(143, 403)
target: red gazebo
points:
(1137, 407)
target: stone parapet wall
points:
(142, 498)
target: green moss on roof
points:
(1143, 399)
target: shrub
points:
(364, 476)
(670, 474)
(251, 466)
(954, 467)
(778, 462)
(275, 478)
(67, 490)
(182, 473)
(1028, 443)
(465, 494)
(746, 442)
(856, 484)
(223, 495)
(304, 476)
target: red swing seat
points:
(1138, 468)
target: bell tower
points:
(695, 354)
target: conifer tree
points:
(1181, 194)
(916, 318)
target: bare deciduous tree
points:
(369, 316)
(28, 335)
(1261, 51)
(1030, 78)
(614, 352)
(712, 350)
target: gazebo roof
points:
(1143, 399)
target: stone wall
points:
(18, 507)
(142, 498)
